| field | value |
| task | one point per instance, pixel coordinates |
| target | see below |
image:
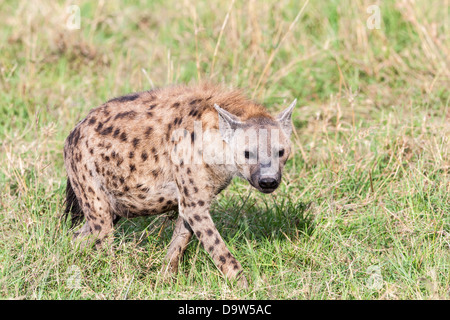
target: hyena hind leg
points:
(100, 218)
(83, 232)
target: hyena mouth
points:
(267, 190)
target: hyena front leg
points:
(194, 205)
(182, 233)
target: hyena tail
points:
(72, 206)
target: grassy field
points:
(363, 210)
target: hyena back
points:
(120, 162)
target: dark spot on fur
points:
(197, 217)
(107, 131)
(99, 127)
(92, 121)
(144, 156)
(106, 110)
(123, 137)
(222, 259)
(74, 137)
(193, 113)
(132, 167)
(135, 142)
(161, 199)
(97, 227)
(201, 203)
(195, 101)
(148, 131)
(131, 155)
(176, 104)
(129, 97)
(116, 133)
(209, 232)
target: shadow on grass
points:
(262, 219)
(236, 219)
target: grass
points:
(363, 211)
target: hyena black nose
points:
(268, 183)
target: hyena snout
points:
(269, 176)
(268, 183)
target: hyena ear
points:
(284, 118)
(228, 123)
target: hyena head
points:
(259, 146)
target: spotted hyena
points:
(172, 149)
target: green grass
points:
(367, 187)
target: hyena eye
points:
(248, 155)
(281, 153)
